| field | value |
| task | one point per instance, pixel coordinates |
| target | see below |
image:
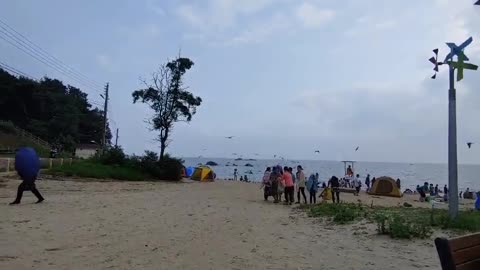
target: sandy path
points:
(222, 225)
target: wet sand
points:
(221, 225)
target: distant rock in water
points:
(251, 159)
(249, 172)
(248, 165)
(234, 165)
(237, 159)
(211, 163)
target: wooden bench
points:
(462, 253)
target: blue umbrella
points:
(27, 163)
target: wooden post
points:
(61, 161)
(8, 165)
(50, 163)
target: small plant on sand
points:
(401, 227)
(340, 213)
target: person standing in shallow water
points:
(27, 165)
(235, 174)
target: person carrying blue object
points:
(27, 165)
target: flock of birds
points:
(469, 144)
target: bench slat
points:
(466, 255)
(464, 242)
(472, 265)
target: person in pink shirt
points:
(289, 186)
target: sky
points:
(285, 77)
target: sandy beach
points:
(220, 225)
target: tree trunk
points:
(163, 143)
(162, 149)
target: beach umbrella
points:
(27, 163)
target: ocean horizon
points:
(410, 174)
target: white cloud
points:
(190, 15)
(105, 61)
(261, 31)
(312, 16)
(153, 6)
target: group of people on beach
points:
(278, 182)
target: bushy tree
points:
(168, 98)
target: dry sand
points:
(221, 225)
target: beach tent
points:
(190, 171)
(385, 186)
(203, 174)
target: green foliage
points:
(169, 99)
(56, 113)
(167, 169)
(398, 222)
(91, 169)
(340, 213)
(111, 156)
(114, 164)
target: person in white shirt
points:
(357, 183)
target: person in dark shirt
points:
(445, 189)
(27, 165)
(436, 190)
(367, 182)
(335, 184)
(421, 191)
(398, 183)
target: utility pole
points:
(105, 110)
(459, 66)
(452, 146)
(116, 138)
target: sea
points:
(410, 174)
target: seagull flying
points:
(229, 137)
(317, 151)
(356, 149)
(469, 144)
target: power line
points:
(26, 75)
(39, 58)
(40, 50)
(16, 71)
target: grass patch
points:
(398, 222)
(95, 170)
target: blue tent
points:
(477, 202)
(189, 171)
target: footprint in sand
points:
(7, 258)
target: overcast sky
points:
(285, 77)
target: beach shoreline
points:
(159, 225)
